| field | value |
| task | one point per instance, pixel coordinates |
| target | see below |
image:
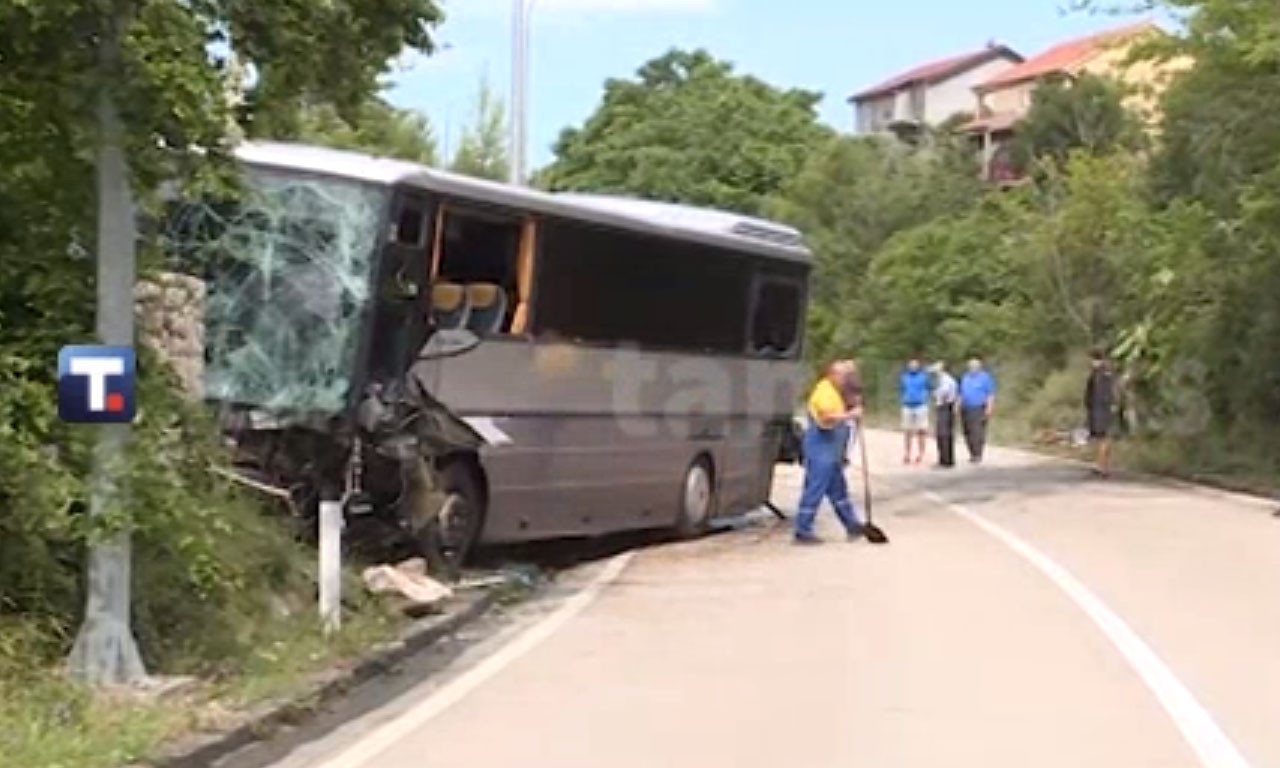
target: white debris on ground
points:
(408, 581)
(1072, 438)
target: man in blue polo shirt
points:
(977, 400)
(913, 392)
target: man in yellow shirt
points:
(825, 441)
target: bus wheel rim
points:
(455, 523)
(697, 494)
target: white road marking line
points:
(377, 742)
(1198, 727)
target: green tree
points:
(1088, 228)
(97, 89)
(687, 129)
(1087, 113)
(1219, 130)
(851, 196)
(172, 96)
(1217, 158)
(950, 287)
(482, 151)
(380, 129)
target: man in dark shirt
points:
(977, 401)
(1099, 406)
(946, 392)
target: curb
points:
(202, 750)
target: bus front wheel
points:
(697, 499)
(448, 525)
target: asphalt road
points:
(1023, 615)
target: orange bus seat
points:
(487, 304)
(449, 305)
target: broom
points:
(870, 530)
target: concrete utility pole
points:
(105, 652)
(520, 10)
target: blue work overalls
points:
(824, 478)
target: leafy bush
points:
(1059, 403)
(207, 561)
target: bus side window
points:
(598, 285)
(410, 227)
(775, 325)
(482, 253)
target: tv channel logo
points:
(95, 384)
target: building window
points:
(1002, 167)
(917, 103)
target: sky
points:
(835, 47)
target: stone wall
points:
(170, 313)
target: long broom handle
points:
(866, 476)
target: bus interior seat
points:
(449, 305)
(487, 304)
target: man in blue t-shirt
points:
(913, 392)
(977, 400)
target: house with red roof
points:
(1005, 98)
(929, 94)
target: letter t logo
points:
(95, 384)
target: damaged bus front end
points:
(304, 292)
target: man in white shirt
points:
(945, 394)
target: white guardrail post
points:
(331, 525)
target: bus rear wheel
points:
(697, 499)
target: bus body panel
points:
(582, 437)
(592, 439)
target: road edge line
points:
(1197, 726)
(385, 736)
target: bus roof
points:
(712, 227)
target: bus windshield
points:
(288, 268)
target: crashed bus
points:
(486, 363)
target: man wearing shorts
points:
(913, 392)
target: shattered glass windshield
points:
(288, 268)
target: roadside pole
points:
(105, 652)
(520, 11)
(331, 525)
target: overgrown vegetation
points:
(1163, 248)
(216, 581)
(376, 127)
